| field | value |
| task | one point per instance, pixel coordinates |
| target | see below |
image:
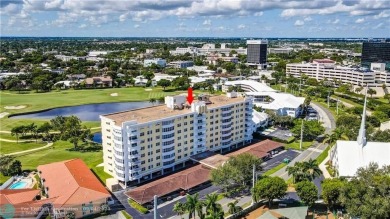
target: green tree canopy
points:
(331, 189)
(269, 188)
(367, 195)
(308, 192)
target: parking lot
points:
(280, 134)
(278, 159)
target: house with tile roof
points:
(72, 186)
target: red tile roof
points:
(185, 180)
(16, 196)
(260, 149)
(72, 182)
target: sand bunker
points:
(15, 107)
(114, 94)
(148, 89)
(2, 115)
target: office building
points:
(145, 143)
(377, 52)
(257, 52)
(321, 69)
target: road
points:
(317, 148)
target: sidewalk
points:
(323, 167)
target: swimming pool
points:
(18, 185)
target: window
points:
(142, 148)
(185, 123)
(141, 134)
(157, 130)
(158, 151)
(179, 144)
(143, 162)
(179, 157)
(143, 169)
(158, 158)
(158, 144)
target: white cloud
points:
(207, 22)
(136, 26)
(383, 14)
(360, 20)
(241, 26)
(82, 26)
(258, 14)
(299, 23)
(336, 21)
(307, 19)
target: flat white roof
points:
(281, 100)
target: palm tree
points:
(179, 208)
(371, 92)
(192, 202)
(311, 169)
(211, 202)
(295, 171)
(199, 209)
(152, 100)
(161, 100)
(17, 131)
(234, 208)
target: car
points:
(312, 114)
(286, 160)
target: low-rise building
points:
(145, 143)
(140, 81)
(71, 186)
(68, 58)
(181, 64)
(157, 61)
(104, 81)
(97, 53)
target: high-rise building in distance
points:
(257, 52)
(376, 52)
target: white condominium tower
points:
(148, 142)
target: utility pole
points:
(300, 84)
(337, 106)
(285, 88)
(155, 206)
(253, 181)
(300, 144)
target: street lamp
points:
(300, 143)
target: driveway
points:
(325, 116)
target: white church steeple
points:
(361, 139)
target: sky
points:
(195, 18)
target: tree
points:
(371, 92)
(199, 209)
(179, 208)
(45, 129)
(211, 202)
(380, 136)
(192, 202)
(311, 129)
(17, 131)
(104, 208)
(269, 188)
(234, 208)
(331, 189)
(15, 168)
(236, 172)
(307, 101)
(164, 83)
(181, 83)
(307, 170)
(5, 163)
(161, 100)
(308, 192)
(71, 129)
(367, 194)
(152, 100)
(358, 89)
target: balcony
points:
(132, 156)
(169, 153)
(119, 171)
(118, 149)
(118, 156)
(119, 177)
(117, 141)
(226, 128)
(119, 163)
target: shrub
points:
(138, 207)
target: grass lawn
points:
(275, 169)
(296, 144)
(40, 101)
(99, 171)
(10, 147)
(323, 155)
(59, 153)
(137, 206)
(126, 215)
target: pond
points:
(87, 112)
